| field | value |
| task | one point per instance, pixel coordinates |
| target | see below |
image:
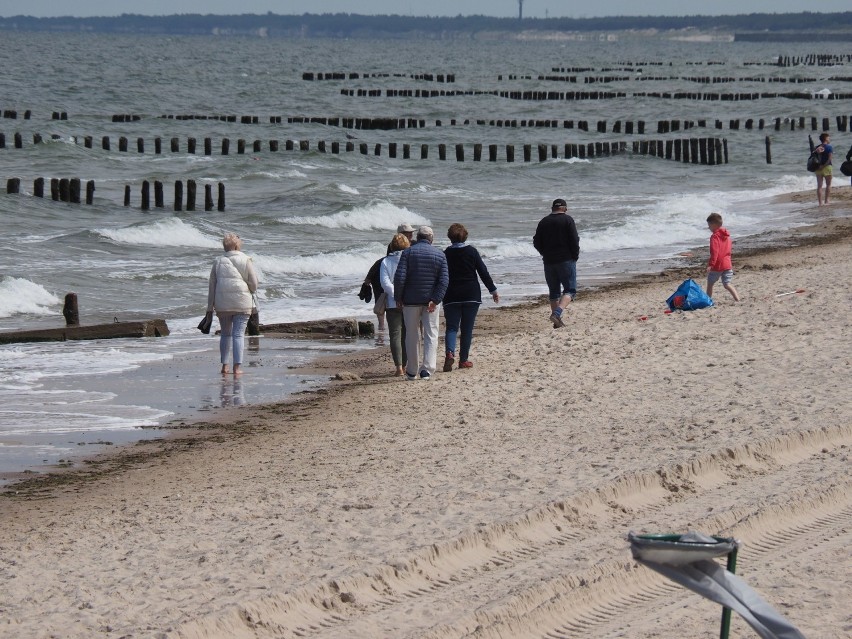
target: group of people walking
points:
(411, 284)
(417, 278)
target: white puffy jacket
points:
(232, 282)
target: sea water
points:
(314, 222)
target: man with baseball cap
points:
(419, 286)
(557, 241)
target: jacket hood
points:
(722, 232)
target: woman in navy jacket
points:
(463, 297)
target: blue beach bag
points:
(689, 296)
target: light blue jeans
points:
(233, 327)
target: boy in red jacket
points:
(720, 257)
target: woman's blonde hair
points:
(231, 242)
(399, 242)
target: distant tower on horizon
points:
(520, 9)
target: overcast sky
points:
(500, 8)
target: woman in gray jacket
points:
(233, 281)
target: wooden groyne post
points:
(70, 311)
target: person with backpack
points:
(823, 173)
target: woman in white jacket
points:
(233, 281)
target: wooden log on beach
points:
(115, 330)
(339, 327)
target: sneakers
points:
(410, 378)
(556, 318)
(425, 376)
(449, 360)
(467, 364)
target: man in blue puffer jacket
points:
(419, 286)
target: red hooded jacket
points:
(720, 250)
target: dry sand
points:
(489, 502)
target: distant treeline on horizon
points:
(350, 25)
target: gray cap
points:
(405, 228)
(425, 231)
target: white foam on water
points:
(18, 295)
(166, 232)
(376, 215)
(350, 262)
(348, 189)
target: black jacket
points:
(556, 239)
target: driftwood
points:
(142, 328)
(339, 327)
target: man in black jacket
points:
(557, 241)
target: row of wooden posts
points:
(814, 59)
(574, 79)
(541, 96)
(61, 189)
(387, 123)
(340, 75)
(69, 190)
(704, 151)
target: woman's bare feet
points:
(398, 371)
(238, 370)
(224, 370)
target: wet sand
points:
(489, 502)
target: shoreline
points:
(492, 501)
(183, 427)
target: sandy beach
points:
(493, 501)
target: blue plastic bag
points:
(689, 296)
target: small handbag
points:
(205, 324)
(253, 326)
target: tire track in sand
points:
(424, 595)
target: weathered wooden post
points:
(702, 145)
(174, 145)
(542, 152)
(477, 152)
(256, 146)
(406, 151)
(725, 147)
(190, 146)
(122, 144)
(392, 149)
(13, 185)
(208, 146)
(158, 194)
(36, 138)
(19, 141)
(304, 145)
(442, 151)
(241, 146)
(768, 150)
(2, 140)
(273, 146)
(74, 190)
(54, 189)
(527, 152)
(38, 187)
(221, 203)
(350, 146)
(510, 152)
(335, 148)
(140, 145)
(70, 311)
(90, 192)
(126, 195)
(208, 197)
(377, 150)
(424, 151)
(190, 195)
(459, 152)
(146, 195)
(178, 196)
(321, 146)
(64, 190)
